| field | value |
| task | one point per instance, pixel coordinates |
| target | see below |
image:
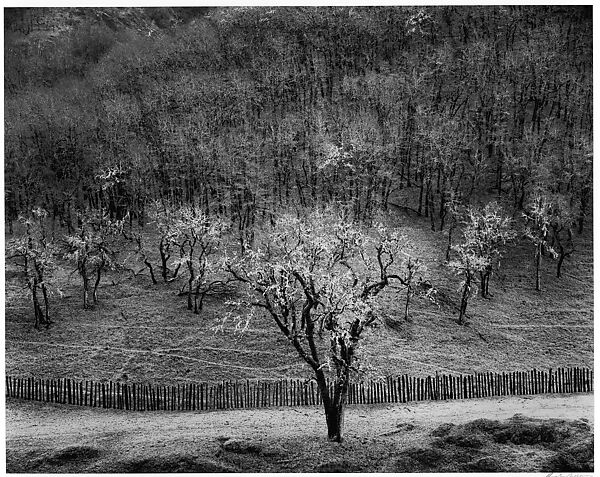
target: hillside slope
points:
(143, 332)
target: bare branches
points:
(485, 231)
(90, 252)
(198, 237)
(36, 255)
(313, 276)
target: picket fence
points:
(295, 392)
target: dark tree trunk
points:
(563, 252)
(538, 260)
(46, 305)
(86, 287)
(422, 187)
(164, 259)
(561, 258)
(449, 247)
(334, 415)
(190, 285)
(39, 316)
(199, 295)
(407, 302)
(151, 268)
(500, 163)
(464, 298)
(485, 282)
(97, 282)
(334, 405)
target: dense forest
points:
(246, 110)
(264, 149)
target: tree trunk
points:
(97, 282)
(431, 211)
(334, 414)
(46, 306)
(464, 298)
(422, 187)
(538, 259)
(86, 287)
(164, 259)
(151, 268)
(449, 247)
(485, 282)
(39, 316)
(199, 298)
(334, 405)
(189, 294)
(407, 303)
(561, 258)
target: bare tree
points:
(562, 220)
(489, 229)
(198, 237)
(537, 229)
(321, 274)
(35, 255)
(467, 265)
(91, 250)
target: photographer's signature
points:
(566, 474)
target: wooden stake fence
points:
(295, 392)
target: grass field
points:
(143, 333)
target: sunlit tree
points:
(92, 251)
(322, 274)
(198, 237)
(34, 253)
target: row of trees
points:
(187, 237)
(318, 275)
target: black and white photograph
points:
(298, 239)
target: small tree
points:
(562, 219)
(538, 217)
(453, 210)
(485, 231)
(198, 237)
(321, 274)
(142, 252)
(35, 255)
(91, 251)
(412, 268)
(488, 230)
(163, 217)
(468, 264)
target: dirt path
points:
(35, 420)
(34, 429)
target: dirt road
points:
(35, 430)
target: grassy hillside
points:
(249, 111)
(143, 332)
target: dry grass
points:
(144, 333)
(56, 439)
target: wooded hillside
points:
(245, 110)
